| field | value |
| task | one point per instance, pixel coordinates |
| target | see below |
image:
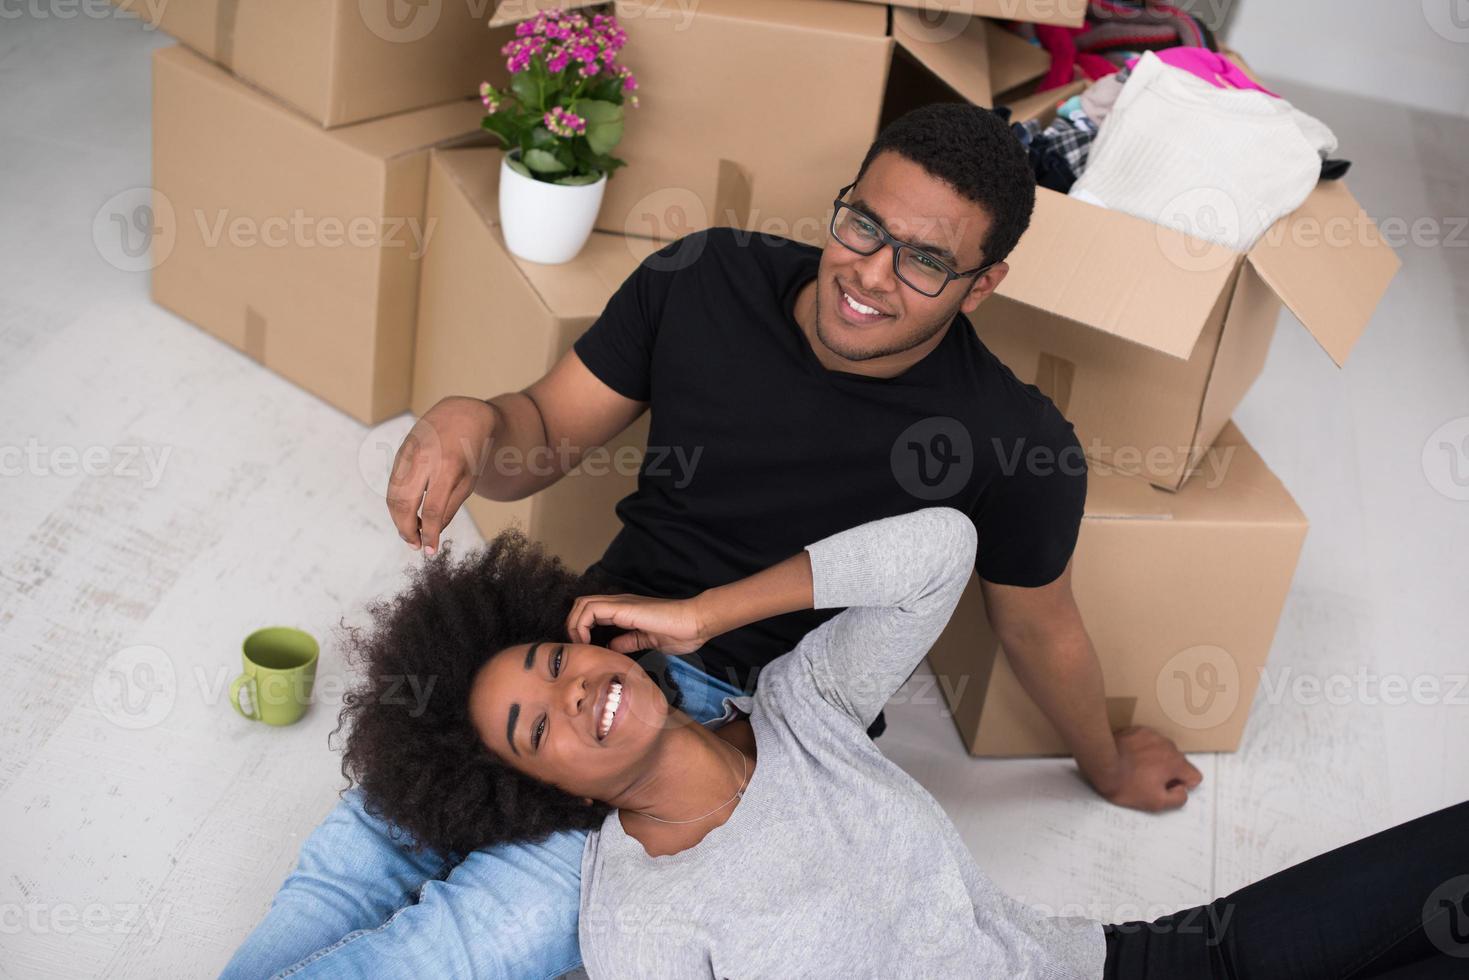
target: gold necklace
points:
(745, 767)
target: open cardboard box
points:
(489, 322)
(1147, 339)
(722, 139)
(1181, 593)
(298, 245)
(341, 61)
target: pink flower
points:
(564, 123)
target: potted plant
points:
(559, 119)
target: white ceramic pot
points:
(547, 223)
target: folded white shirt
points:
(1219, 164)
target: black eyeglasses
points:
(913, 266)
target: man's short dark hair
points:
(973, 151)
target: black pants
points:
(1395, 904)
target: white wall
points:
(1410, 51)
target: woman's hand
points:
(669, 625)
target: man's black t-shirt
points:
(755, 449)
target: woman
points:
(777, 840)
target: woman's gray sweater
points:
(836, 862)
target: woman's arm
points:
(684, 625)
(899, 579)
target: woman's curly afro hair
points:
(410, 743)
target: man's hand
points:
(669, 625)
(437, 467)
(1150, 774)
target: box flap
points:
(1328, 263)
(1067, 13)
(961, 58)
(1014, 60)
(515, 11)
(578, 288)
(1114, 495)
(1116, 273)
(1231, 486)
(822, 15)
(1234, 486)
(410, 132)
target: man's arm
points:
(504, 448)
(1047, 645)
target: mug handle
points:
(239, 682)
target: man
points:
(811, 390)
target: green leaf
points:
(604, 123)
(602, 137)
(530, 88)
(576, 180)
(544, 162)
(595, 110)
(542, 137)
(519, 167)
(503, 127)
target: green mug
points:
(280, 667)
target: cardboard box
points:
(1147, 339)
(1067, 13)
(725, 138)
(699, 157)
(341, 61)
(298, 245)
(1181, 593)
(489, 322)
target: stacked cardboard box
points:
(290, 156)
(743, 154)
(490, 322)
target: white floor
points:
(144, 838)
